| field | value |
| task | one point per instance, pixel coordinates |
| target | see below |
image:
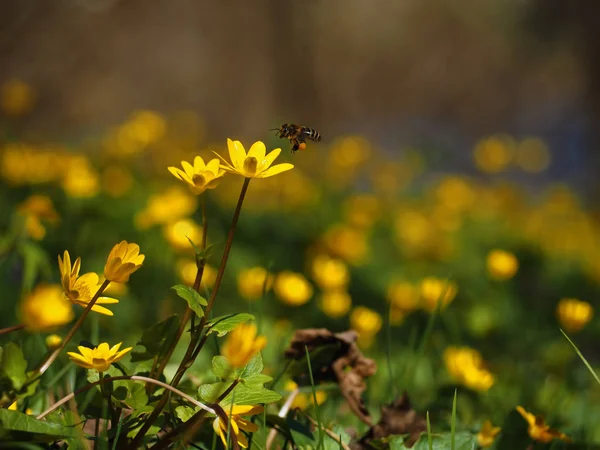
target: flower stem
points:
(11, 329)
(52, 357)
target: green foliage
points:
(194, 300)
(14, 364)
(15, 425)
(224, 324)
(442, 441)
(156, 339)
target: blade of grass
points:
(118, 434)
(318, 414)
(587, 364)
(453, 423)
(429, 436)
(388, 351)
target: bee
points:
(297, 135)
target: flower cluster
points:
(466, 366)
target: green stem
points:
(11, 329)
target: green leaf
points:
(257, 380)
(35, 260)
(329, 443)
(222, 369)
(14, 365)
(157, 339)
(194, 300)
(254, 367)
(462, 441)
(224, 324)
(185, 413)
(244, 394)
(18, 426)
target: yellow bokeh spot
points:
(292, 288)
(178, 234)
(16, 98)
(533, 155)
(335, 303)
(494, 154)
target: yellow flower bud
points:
(502, 265)
(573, 314)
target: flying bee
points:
(297, 135)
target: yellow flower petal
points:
(258, 150)
(237, 154)
(102, 310)
(276, 169)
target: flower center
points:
(199, 179)
(250, 166)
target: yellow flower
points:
(175, 203)
(45, 308)
(292, 288)
(435, 290)
(466, 366)
(53, 341)
(242, 344)
(177, 234)
(329, 273)
(302, 401)
(574, 314)
(34, 209)
(123, 260)
(255, 164)
(188, 270)
(81, 289)
(80, 179)
(538, 430)
(366, 321)
(251, 282)
(362, 211)
(336, 303)
(200, 176)
(99, 358)
(403, 296)
(502, 265)
(234, 414)
(347, 243)
(487, 434)
(17, 98)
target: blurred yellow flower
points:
(487, 434)
(362, 211)
(35, 209)
(123, 260)
(16, 97)
(45, 308)
(574, 314)
(117, 181)
(329, 273)
(365, 321)
(178, 232)
(200, 176)
(251, 282)
(238, 423)
(403, 296)
(292, 288)
(532, 155)
(349, 152)
(455, 193)
(415, 232)
(81, 289)
(188, 270)
(22, 163)
(302, 400)
(466, 366)
(335, 303)
(242, 344)
(538, 430)
(99, 358)
(255, 164)
(53, 341)
(436, 290)
(494, 154)
(501, 264)
(80, 179)
(173, 204)
(347, 243)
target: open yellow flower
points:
(538, 430)
(99, 358)
(255, 164)
(81, 289)
(200, 176)
(487, 434)
(242, 344)
(123, 260)
(235, 413)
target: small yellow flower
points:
(336, 303)
(123, 260)
(188, 270)
(35, 209)
(574, 314)
(330, 273)
(251, 282)
(175, 203)
(502, 265)
(538, 430)
(435, 290)
(303, 401)
(347, 243)
(487, 434)
(45, 308)
(80, 179)
(53, 341)
(178, 232)
(16, 98)
(99, 358)
(292, 288)
(362, 211)
(200, 176)
(242, 344)
(235, 413)
(403, 296)
(466, 365)
(81, 289)
(366, 321)
(256, 164)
